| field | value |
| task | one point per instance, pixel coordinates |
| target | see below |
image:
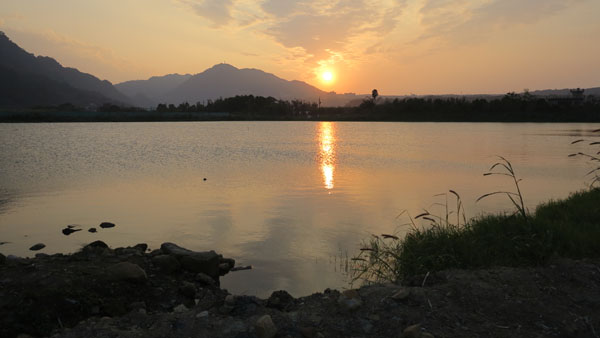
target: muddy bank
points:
(173, 292)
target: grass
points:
(565, 228)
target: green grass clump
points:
(565, 228)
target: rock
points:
(366, 326)
(137, 305)
(166, 263)
(202, 314)
(350, 300)
(225, 265)
(142, 247)
(401, 294)
(2, 259)
(206, 262)
(41, 255)
(308, 332)
(265, 328)
(280, 300)
(413, 331)
(96, 245)
(126, 271)
(205, 279)
(67, 231)
(230, 300)
(426, 335)
(235, 326)
(105, 225)
(188, 289)
(180, 308)
(92, 230)
(38, 246)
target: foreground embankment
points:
(173, 292)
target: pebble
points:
(202, 314)
(265, 328)
(230, 300)
(180, 308)
(413, 331)
(92, 230)
(38, 246)
(401, 294)
(350, 300)
(105, 225)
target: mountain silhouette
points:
(224, 80)
(27, 80)
(148, 93)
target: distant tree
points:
(374, 94)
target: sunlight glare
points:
(327, 76)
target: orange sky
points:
(398, 46)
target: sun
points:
(327, 76)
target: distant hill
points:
(565, 92)
(224, 80)
(148, 93)
(27, 80)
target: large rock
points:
(166, 263)
(2, 259)
(206, 262)
(126, 271)
(350, 300)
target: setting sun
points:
(327, 76)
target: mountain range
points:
(27, 81)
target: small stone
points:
(401, 294)
(141, 247)
(265, 328)
(92, 230)
(67, 231)
(350, 300)
(205, 279)
(180, 308)
(96, 245)
(426, 335)
(41, 255)
(166, 263)
(413, 331)
(38, 246)
(202, 314)
(280, 300)
(105, 225)
(230, 300)
(188, 289)
(126, 271)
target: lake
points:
(292, 199)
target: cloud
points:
(461, 20)
(216, 11)
(324, 30)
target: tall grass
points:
(566, 228)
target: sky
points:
(400, 47)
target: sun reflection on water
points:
(327, 152)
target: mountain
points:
(149, 93)
(27, 80)
(224, 80)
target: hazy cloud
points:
(216, 11)
(472, 20)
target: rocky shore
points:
(174, 292)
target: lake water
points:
(292, 199)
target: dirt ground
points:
(84, 295)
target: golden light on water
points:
(327, 152)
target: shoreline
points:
(174, 292)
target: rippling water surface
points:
(292, 199)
